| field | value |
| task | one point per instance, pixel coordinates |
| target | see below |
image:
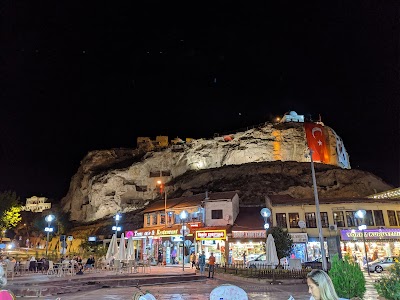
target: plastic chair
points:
(10, 269)
(50, 270)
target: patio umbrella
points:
(112, 248)
(122, 248)
(272, 257)
(130, 251)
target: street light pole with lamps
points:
(48, 229)
(116, 228)
(162, 188)
(318, 216)
(266, 213)
(360, 214)
(183, 215)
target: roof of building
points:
(189, 201)
(289, 200)
(249, 218)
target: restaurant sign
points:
(251, 234)
(153, 232)
(370, 234)
(211, 234)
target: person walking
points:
(202, 262)
(193, 259)
(211, 265)
(320, 286)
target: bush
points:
(389, 285)
(347, 278)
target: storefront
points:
(378, 243)
(165, 241)
(299, 246)
(212, 240)
(250, 242)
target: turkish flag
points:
(316, 142)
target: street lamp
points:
(360, 214)
(162, 187)
(265, 212)
(48, 229)
(318, 216)
(116, 228)
(183, 215)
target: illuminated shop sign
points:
(299, 237)
(249, 234)
(157, 232)
(211, 234)
(370, 234)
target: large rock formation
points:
(269, 159)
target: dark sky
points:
(83, 76)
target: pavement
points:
(165, 283)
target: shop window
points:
(324, 219)
(369, 220)
(311, 221)
(352, 221)
(281, 220)
(338, 219)
(392, 217)
(162, 218)
(378, 216)
(148, 219)
(154, 217)
(398, 215)
(216, 214)
(294, 220)
(171, 217)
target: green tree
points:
(347, 277)
(388, 286)
(10, 209)
(283, 241)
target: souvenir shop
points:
(212, 240)
(249, 242)
(378, 243)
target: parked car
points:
(316, 263)
(382, 263)
(260, 262)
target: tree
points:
(9, 210)
(283, 241)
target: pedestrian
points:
(193, 259)
(320, 286)
(211, 265)
(244, 257)
(173, 256)
(202, 262)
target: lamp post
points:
(265, 212)
(360, 214)
(162, 188)
(318, 216)
(183, 215)
(116, 228)
(48, 229)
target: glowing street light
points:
(117, 228)
(183, 215)
(162, 187)
(266, 213)
(48, 229)
(360, 214)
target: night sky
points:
(83, 76)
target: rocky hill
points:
(269, 159)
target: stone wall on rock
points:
(125, 180)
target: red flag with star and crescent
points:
(316, 142)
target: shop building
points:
(206, 226)
(339, 215)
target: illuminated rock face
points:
(125, 180)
